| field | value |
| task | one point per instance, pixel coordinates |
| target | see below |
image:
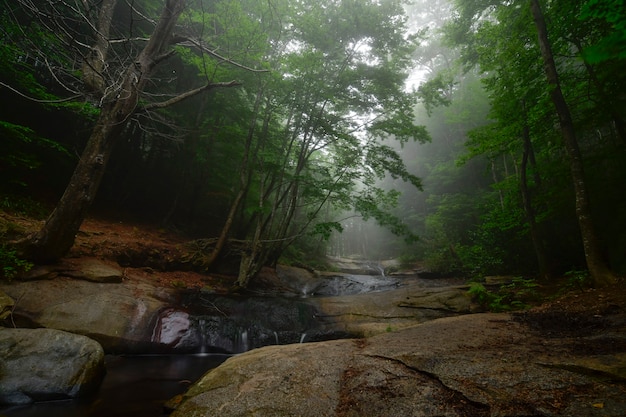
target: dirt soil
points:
(146, 251)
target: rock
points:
(173, 331)
(472, 365)
(136, 316)
(95, 270)
(355, 266)
(46, 364)
(6, 305)
(88, 269)
(368, 314)
(290, 380)
(499, 279)
(119, 316)
(283, 279)
(450, 299)
(40, 272)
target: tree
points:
(596, 263)
(339, 93)
(517, 72)
(119, 94)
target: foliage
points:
(490, 233)
(16, 204)
(12, 265)
(577, 279)
(613, 44)
(508, 297)
(331, 141)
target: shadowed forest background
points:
(291, 130)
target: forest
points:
(476, 137)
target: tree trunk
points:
(243, 186)
(94, 64)
(57, 236)
(597, 265)
(535, 235)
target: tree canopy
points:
(280, 124)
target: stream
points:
(134, 386)
(198, 335)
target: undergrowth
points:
(508, 297)
(11, 264)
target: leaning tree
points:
(110, 52)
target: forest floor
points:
(131, 242)
(128, 244)
(585, 327)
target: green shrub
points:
(579, 280)
(508, 297)
(12, 265)
(22, 205)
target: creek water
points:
(134, 386)
(139, 385)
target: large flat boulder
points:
(120, 316)
(472, 365)
(410, 303)
(297, 380)
(137, 316)
(46, 364)
(88, 269)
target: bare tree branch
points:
(56, 78)
(62, 100)
(189, 42)
(189, 94)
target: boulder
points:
(453, 300)
(95, 270)
(356, 266)
(138, 316)
(472, 365)
(46, 364)
(411, 302)
(88, 269)
(120, 316)
(6, 305)
(289, 380)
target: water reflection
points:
(134, 386)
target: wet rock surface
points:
(45, 364)
(412, 301)
(423, 353)
(6, 305)
(138, 316)
(471, 365)
(119, 316)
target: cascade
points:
(241, 343)
(203, 330)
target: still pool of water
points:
(134, 386)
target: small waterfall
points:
(302, 337)
(202, 330)
(276, 337)
(381, 269)
(241, 343)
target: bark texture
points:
(535, 235)
(597, 265)
(58, 233)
